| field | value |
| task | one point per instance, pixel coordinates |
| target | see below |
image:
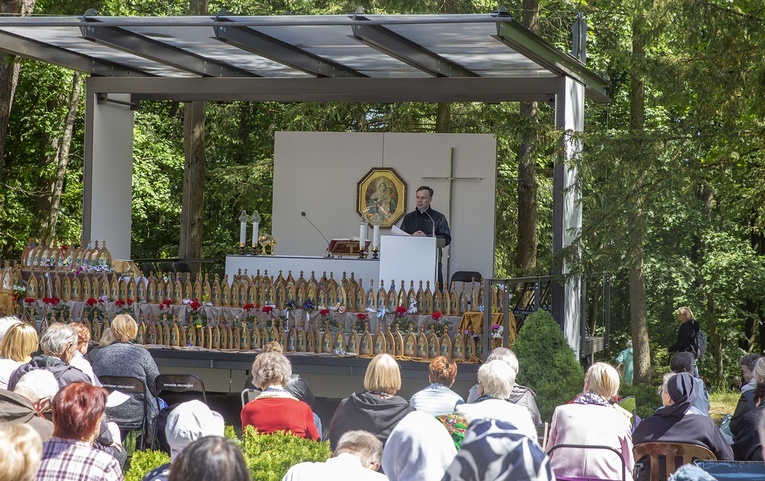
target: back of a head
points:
(443, 371)
(124, 328)
(506, 355)
(271, 368)
(362, 444)
(749, 360)
(22, 452)
(19, 342)
(603, 380)
(383, 375)
(210, 458)
(37, 384)
(77, 410)
(6, 323)
(418, 449)
(682, 362)
(58, 340)
(497, 379)
(759, 370)
(83, 334)
(106, 337)
(188, 422)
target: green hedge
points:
(547, 364)
(268, 456)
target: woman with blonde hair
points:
(16, 348)
(376, 410)
(122, 358)
(592, 419)
(22, 452)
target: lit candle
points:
(376, 236)
(362, 233)
(243, 228)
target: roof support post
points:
(107, 178)
(567, 209)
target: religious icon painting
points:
(381, 197)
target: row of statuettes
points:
(257, 290)
(318, 339)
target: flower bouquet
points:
(248, 315)
(439, 326)
(326, 318)
(361, 322)
(403, 321)
(94, 309)
(59, 310)
(124, 307)
(195, 314)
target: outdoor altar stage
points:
(328, 375)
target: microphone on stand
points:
(432, 222)
(329, 254)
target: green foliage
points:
(548, 365)
(647, 399)
(269, 456)
(141, 462)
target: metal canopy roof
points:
(356, 57)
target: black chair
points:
(178, 384)
(466, 276)
(129, 385)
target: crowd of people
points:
(56, 422)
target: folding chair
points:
(249, 395)
(129, 385)
(666, 457)
(176, 383)
(588, 446)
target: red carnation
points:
(91, 302)
(267, 309)
(324, 312)
(400, 311)
(119, 303)
(248, 306)
(436, 315)
(195, 304)
(29, 300)
(361, 316)
(130, 301)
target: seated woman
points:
(276, 409)
(746, 400)
(676, 422)
(376, 410)
(121, 358)
(79, 360)
(746, 444)
(16, 348)
(592, 420)
(77, 409)
(418, 449)
(438, 399)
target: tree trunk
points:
(638, 308)
(194, 168)
(194, 173)
(62, 156)
(526, 250)
(443, 118)
(9, 74)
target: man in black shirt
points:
(426, 222)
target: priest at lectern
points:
(426, 222)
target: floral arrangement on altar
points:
(403, 321)
(361, 322)
(94, 309)
(271, 320)
(19, 291)
(57, 308)
(195, 314)
(166, 304)
(326, 317)
(124, 307)
(29, 307)
(248, 314)
(497, 331)
(439, 326)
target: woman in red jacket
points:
(276, 409)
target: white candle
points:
(255, 227)
(362, 234)
(242, 233)
(376, 236)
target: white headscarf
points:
(418, 449)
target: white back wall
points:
(318, 172)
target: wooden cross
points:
(451, 178)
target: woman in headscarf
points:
(675, 421)
(494, 450)
(418, 449)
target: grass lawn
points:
(722, 403)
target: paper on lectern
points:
(396, 230)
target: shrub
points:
(141, 462)
(269, 456)
(548, 365)
(647, 398)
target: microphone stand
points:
(329, 254)
(433, 223)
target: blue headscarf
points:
(496, 451)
